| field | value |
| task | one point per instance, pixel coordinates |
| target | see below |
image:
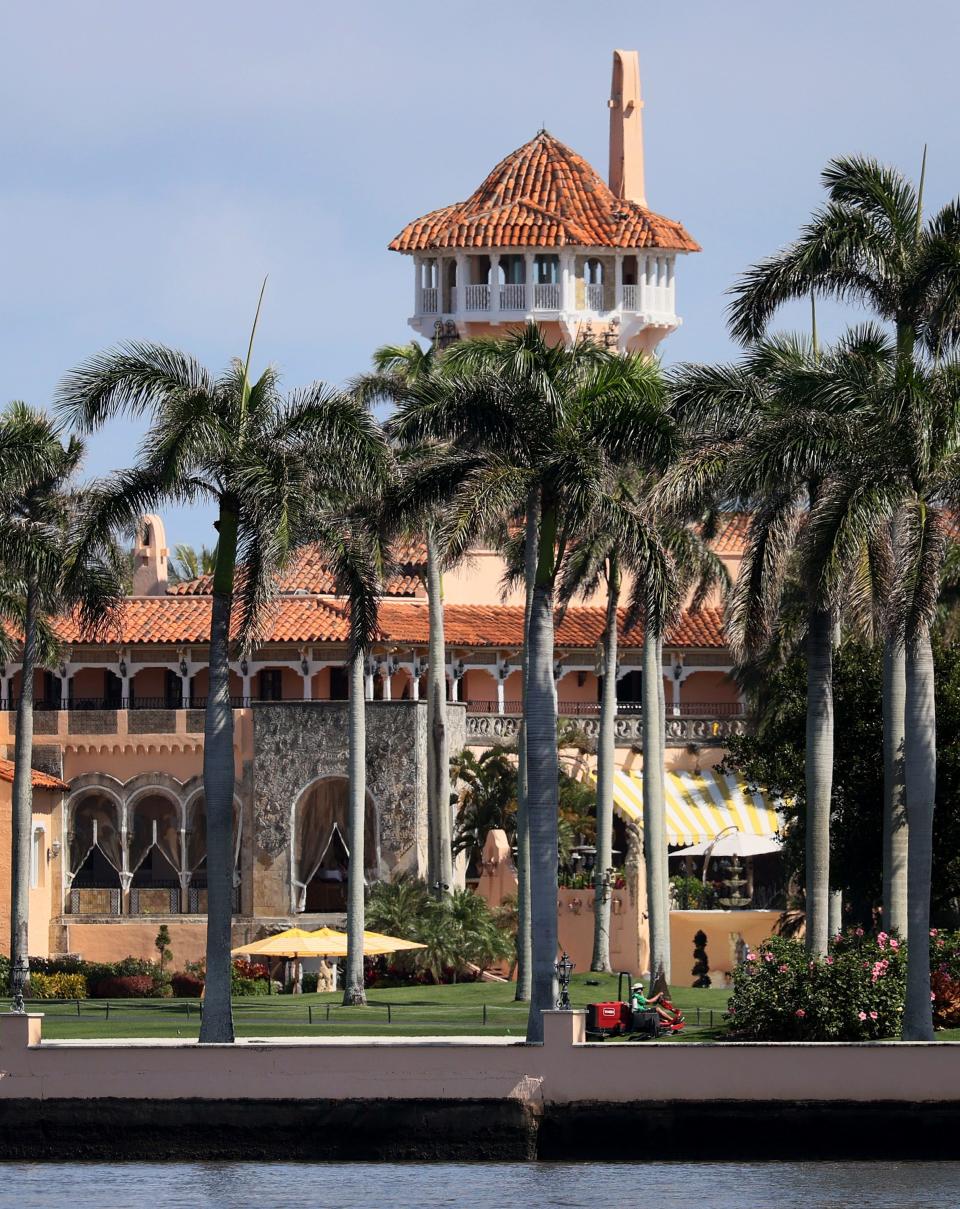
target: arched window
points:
(94, 847)
(156, 849)
(321, 853)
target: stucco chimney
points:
(626, 128)
(150, 558)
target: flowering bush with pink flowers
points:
(855, 993)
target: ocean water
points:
(872, 1185)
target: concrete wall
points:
(45, 896)
(564, 1070)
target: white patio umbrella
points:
(732, 844)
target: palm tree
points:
(767, 433)
(44, 577)
(189, 563)
(908, 467)
(549, 418)
(264, 461)
(869, 244)
(407, 372)
(488, 799)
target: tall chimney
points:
(626, 128)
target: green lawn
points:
(477, 1008)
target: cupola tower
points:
(544, 238)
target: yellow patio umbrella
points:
(324, 942)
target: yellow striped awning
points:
(699, 805)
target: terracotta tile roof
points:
(732, 533)
(166, 619)
(543, 195)
(502, 625)
(41, 780)
(308, 573)
(186, 619)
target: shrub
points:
(186, 986)
(855, 993)
(124, 986)
(4, 975)
(250, 986)
(57, 986)
(691, 894)
(310, 982)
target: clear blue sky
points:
(160, 159)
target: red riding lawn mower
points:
(622, 1019)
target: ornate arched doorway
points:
(321, 846)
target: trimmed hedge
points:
(186, 986)
(57, 986)
(125, 986)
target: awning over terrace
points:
(699, 805)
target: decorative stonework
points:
(296, 744)
(628, 729)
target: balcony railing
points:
(593, 296)
(591, 709)
(513, 297)
(547, 296)
(631, 296)
(429, 300)
(476, 298)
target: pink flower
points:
(782, 969)
(828, 960)
(768, 957)
(801, 1013)
(882, 939)
(861, 1015)
(933, 931)
(873, 1015)
(933, 997)
(858, 932)
(751, 957)
(894, 943)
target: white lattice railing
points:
(593, 296)
(546, 296)
(631, 297)
(429, 300)
(477, 298)
(513, 297)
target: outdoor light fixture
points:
(393, 665)
(63, 671)
(459, 670)
(244, 667)
(183, 667)
(564, 968)
(19, 973)
(123, 668)
(55, 849)
(305, 665)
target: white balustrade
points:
(477, 298)
(630, 298)
(429, 300)
(593, 295)
(547, 296)
(513, 297)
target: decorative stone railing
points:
(628, 729)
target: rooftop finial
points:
(626, 128)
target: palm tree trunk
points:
(524, 937)
(219, 777)
(606, 765)
(895, 826)
(920, 766)
(819, 778)
(662, 766)
(22, 820)
(542, 788)
(654, 812)
(440, 850)
(353, 993)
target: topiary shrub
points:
(57, 986)
(124, 986)
(186, 986)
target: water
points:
(481, 1185)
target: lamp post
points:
(19, 973)
(564, 968)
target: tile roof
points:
(502, 625)
(732, 532)
(41, 780)
(543, 195)
(172, 619)
(308, 572)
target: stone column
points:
(494, 287)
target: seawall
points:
(472, 1098)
